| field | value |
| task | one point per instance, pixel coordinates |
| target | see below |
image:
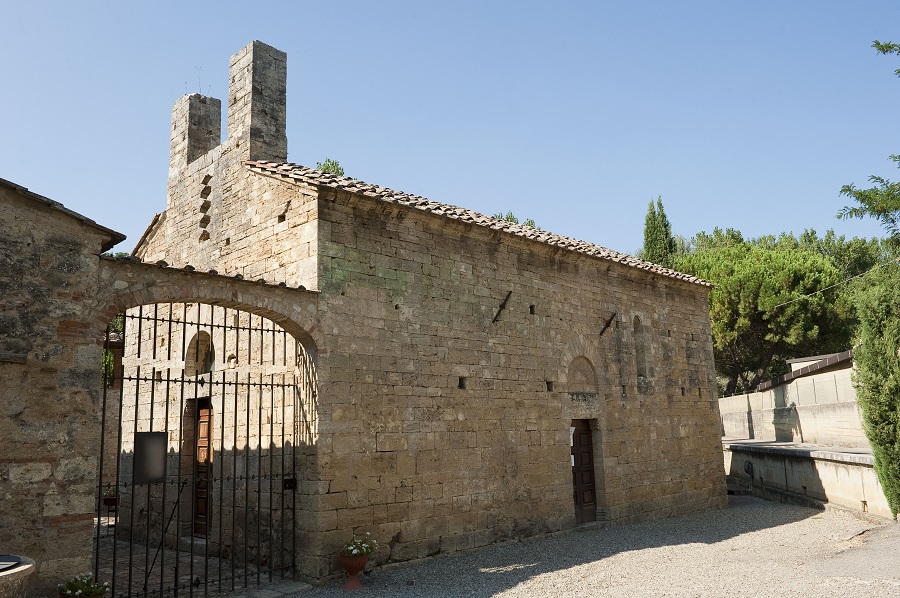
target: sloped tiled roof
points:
(310, 176)
(824, 362)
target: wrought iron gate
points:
(196, 487)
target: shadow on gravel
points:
(493, 569)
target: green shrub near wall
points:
(877, 375)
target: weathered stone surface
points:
(56, 298)
(454, 353)
(48, 431)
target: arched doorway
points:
(201, 430)
(585, 440)
(198, 426)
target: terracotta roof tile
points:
(310, 176)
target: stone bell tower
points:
(208, 186)
(257, 116)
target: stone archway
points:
(126, 283)
(229, 489)
(585, 410)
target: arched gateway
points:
(208, 421)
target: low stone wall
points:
(819, 409)
(842, 477)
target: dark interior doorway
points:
(583, 485)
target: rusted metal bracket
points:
(607, 324)
(502, 307)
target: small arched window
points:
(200, 355)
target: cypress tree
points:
(877, 374)
(659, 243)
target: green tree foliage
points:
(759, 309)
(330, 166)
(682, 248)
(851, 257)
(718, 239)
(877, 374)
(107, 367)
(877, 355)
(659, 243)
(882, 201)
(510, 217)
(107, 359)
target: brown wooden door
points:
(203, 468)
(583, 484)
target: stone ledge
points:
(856, 456)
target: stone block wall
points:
(453, 357)
(442, 429)
(836, 477)
(264, 230)
(50, 393)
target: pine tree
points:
(510, 217)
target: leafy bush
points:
(510, 217)
(877, 374)
(107, 359)
(330, 166)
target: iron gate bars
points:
(196, 484)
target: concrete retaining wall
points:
(819, 409)
(841, 477)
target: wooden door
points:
(203, 468)
(583, 485)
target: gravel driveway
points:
(753, 548)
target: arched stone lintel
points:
(582, 377)
(580, 346)
(125, 284)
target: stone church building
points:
(467, 380)
(307, 356)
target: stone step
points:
(737, 487)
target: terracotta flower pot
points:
(353, 565)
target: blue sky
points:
(739, 114)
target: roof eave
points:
(113, 237)
(296, 174)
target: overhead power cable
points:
(837, 284)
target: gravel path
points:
(753, 548)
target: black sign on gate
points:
(149, 457)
